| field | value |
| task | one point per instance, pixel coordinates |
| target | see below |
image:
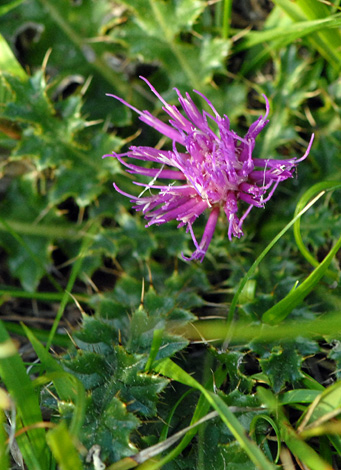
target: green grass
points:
(126, 356)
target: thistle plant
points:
(217, 169)
(136, 360)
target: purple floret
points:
(217, 170)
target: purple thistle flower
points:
(217, 170)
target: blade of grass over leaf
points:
(325, 40)
(301, 449)
(160, 378)
(200, 411)
(272, 423)
(162, 446)
(254, 266)
(284, 307)
(62, 446)
(73, 276)
(286, 35)
(169, 369)
(163, 21)
(157, 341)
(32, 441)
(5, 404)
(160, 18)
(216, 330)
(166, 428)
(68, 387)
(58, 340)
(323, 186)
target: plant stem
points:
(65, 232)
(226, 19)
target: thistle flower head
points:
(215, 169)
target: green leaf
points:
(236, 457)
(30, 103)
(254, 266)
(171, 370)
(63, 448)
(96, 335)
(89, 367)
(4, 405)
(153, 15)
(233, 365)
(326, 406)
(316, 188)
(283, 366)
(285, 306)
(8, 62)
(13, 373)
(112, 430)
(286, 34)
(8, 6)
(128, 291)
(324, 41)
(335, 355)
(71, 40)
(142, 334)
(298, 396)
(29, 255)
(118, 392)
(69, 389)
(153, 34)
(52, 137)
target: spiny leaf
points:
(29, 255)
(118, 392)
(153, 15)
(281, 362)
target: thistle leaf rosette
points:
(217, 169)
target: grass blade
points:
(170, 369)
(4, 405)
(285, 306)
(68, 387)
(254, 266)
(324, 186)
(286, 35)
(324, 41)
(13, 373)
(73, 276)
(61, 444)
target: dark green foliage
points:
(60, 219)
(118, 390)
(111, 357)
